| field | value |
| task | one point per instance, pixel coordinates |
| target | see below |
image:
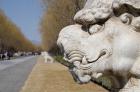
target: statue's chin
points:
(85, 78)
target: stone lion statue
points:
(105, 41)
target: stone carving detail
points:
(105, 41)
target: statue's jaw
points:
(81, 61)
(79, 76)
(84, 76)
(83, 73)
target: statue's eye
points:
(94, 29)
(126, 18)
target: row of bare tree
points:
(57, 14)
(11, 38)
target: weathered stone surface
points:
(105, 41)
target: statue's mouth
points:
(86, 67)
(80, 61)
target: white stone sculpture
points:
(105, 41)
(47, 57)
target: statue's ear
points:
(135, 70)
(129, 12)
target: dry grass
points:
(55, 78)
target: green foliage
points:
(59, 58)
(105, 82)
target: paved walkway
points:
(9, 63)
(13, 73)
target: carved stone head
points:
(105, 40)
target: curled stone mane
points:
(100, 10)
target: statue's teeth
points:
(84, 61)
(77, 64)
